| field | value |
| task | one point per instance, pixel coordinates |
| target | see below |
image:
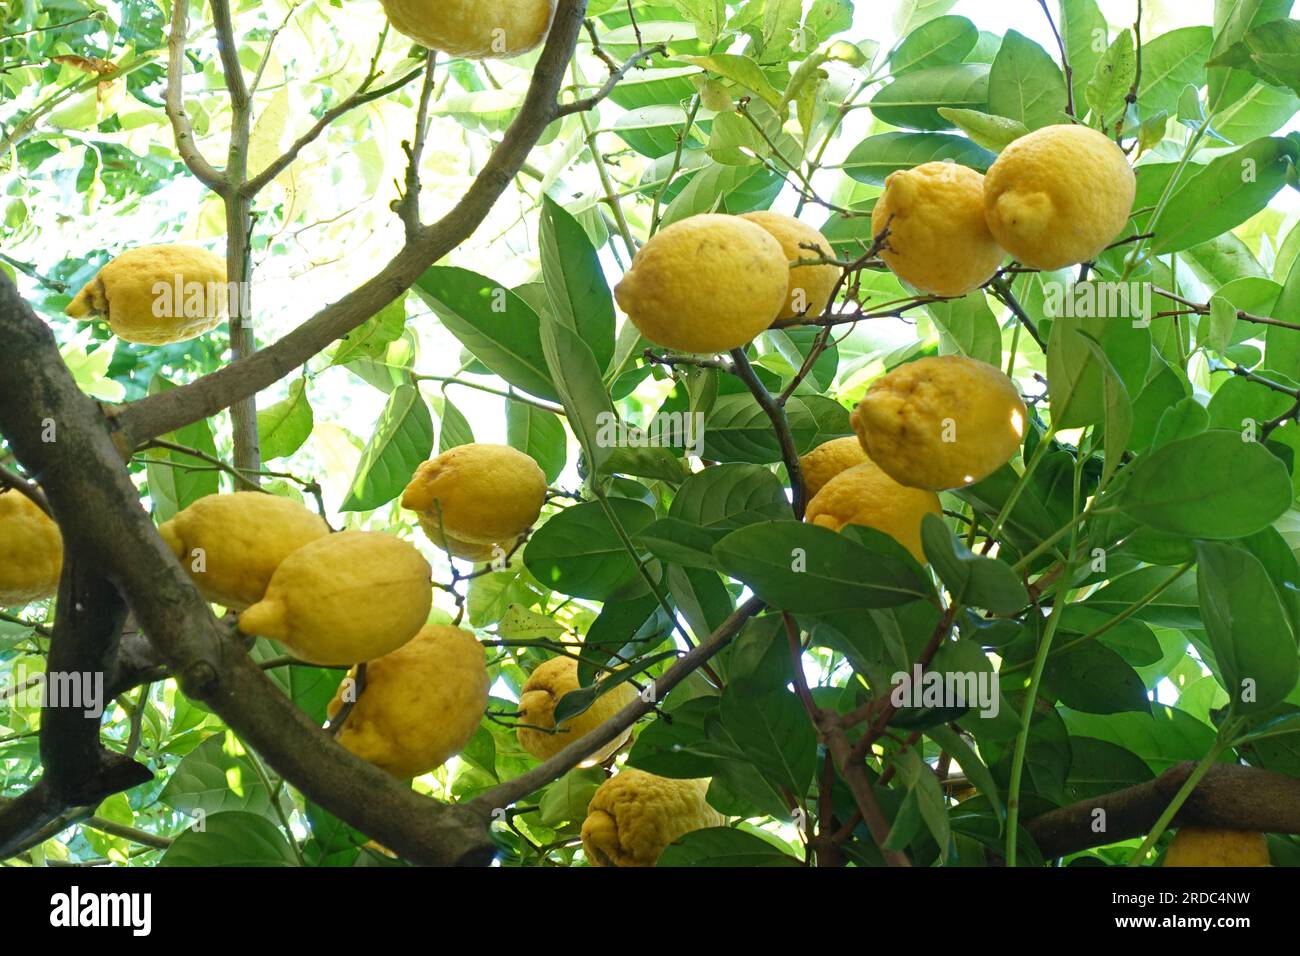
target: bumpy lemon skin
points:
(938, 240)
(634, 815)
(466, 550)
(709, 283)
(829, 459)
(127, 293)
(238, 540)
(475, 29)
(1203, 846)
(420, 704)
(31, 551)
(940, 423)
(473, 497)
(865, 495)
(811, 287)
(1059, 195)
(542, 691)
(345, 598)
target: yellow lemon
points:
(810, 286)
(31, 551)
(941, 423)
(1059, 195)
(543, 690)
(938, 240)
(475, 497)
(477, 29)
(635, 815)
(709, 283)
(865, 495)
(1201, 846)
(157, 295)
(345, 598)
(232, 544)
(829, 459)
(420, 704)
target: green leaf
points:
(495, 324)
(456, 429)
(231, 839)
(284, 426)
(1083, 30)
(723, 847)
(575, 283)
(216, 776)
(1270, 51)
(1254, 647)
(587, 405)
(1095, 680)
(730, 496)
(538, 434)
(942, 41)
(578, 552)
(809, 569)
(969, 326)
(742, 70)
(924, 788)
(174, 487)
(1119, 409)
(737, 429)
(991, 132)
(372, 338)
(971, 579)
(914, 100)
(1227, 192)
(708, 17)
(877, 156)
(774, 733)
(1218, 326)
(567, 798)
(1170, 63)
(1112, 79)
(402, 440)
(1025, 83)
(1212, 485)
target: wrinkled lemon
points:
(1202, 846)
(709, 283)
(477, 29)
(865, 495)
(31, 551)
(941, 423)
(829, 459)
(419, 705)
(474, 498)
(157, 295)
(345, 598)
(543, 690)
(231, 544)
(635, 815)
(938, 240)
(810, 286)
(1059, 195)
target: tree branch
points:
(780, 424)
(1230, 796)
(174, 104)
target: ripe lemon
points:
(31, 551)
(157, 295)
(475, 497)
(232, 544)
(810, 286)
(938, 240)
(941, 423)
(476, 29)
(635, 815)
(829, 459)
(709, 283)
(1059, 195)
(1200, 846)
(420, 704)
(543, 690)
(865, 495)
(345, 598)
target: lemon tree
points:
(652, 434)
